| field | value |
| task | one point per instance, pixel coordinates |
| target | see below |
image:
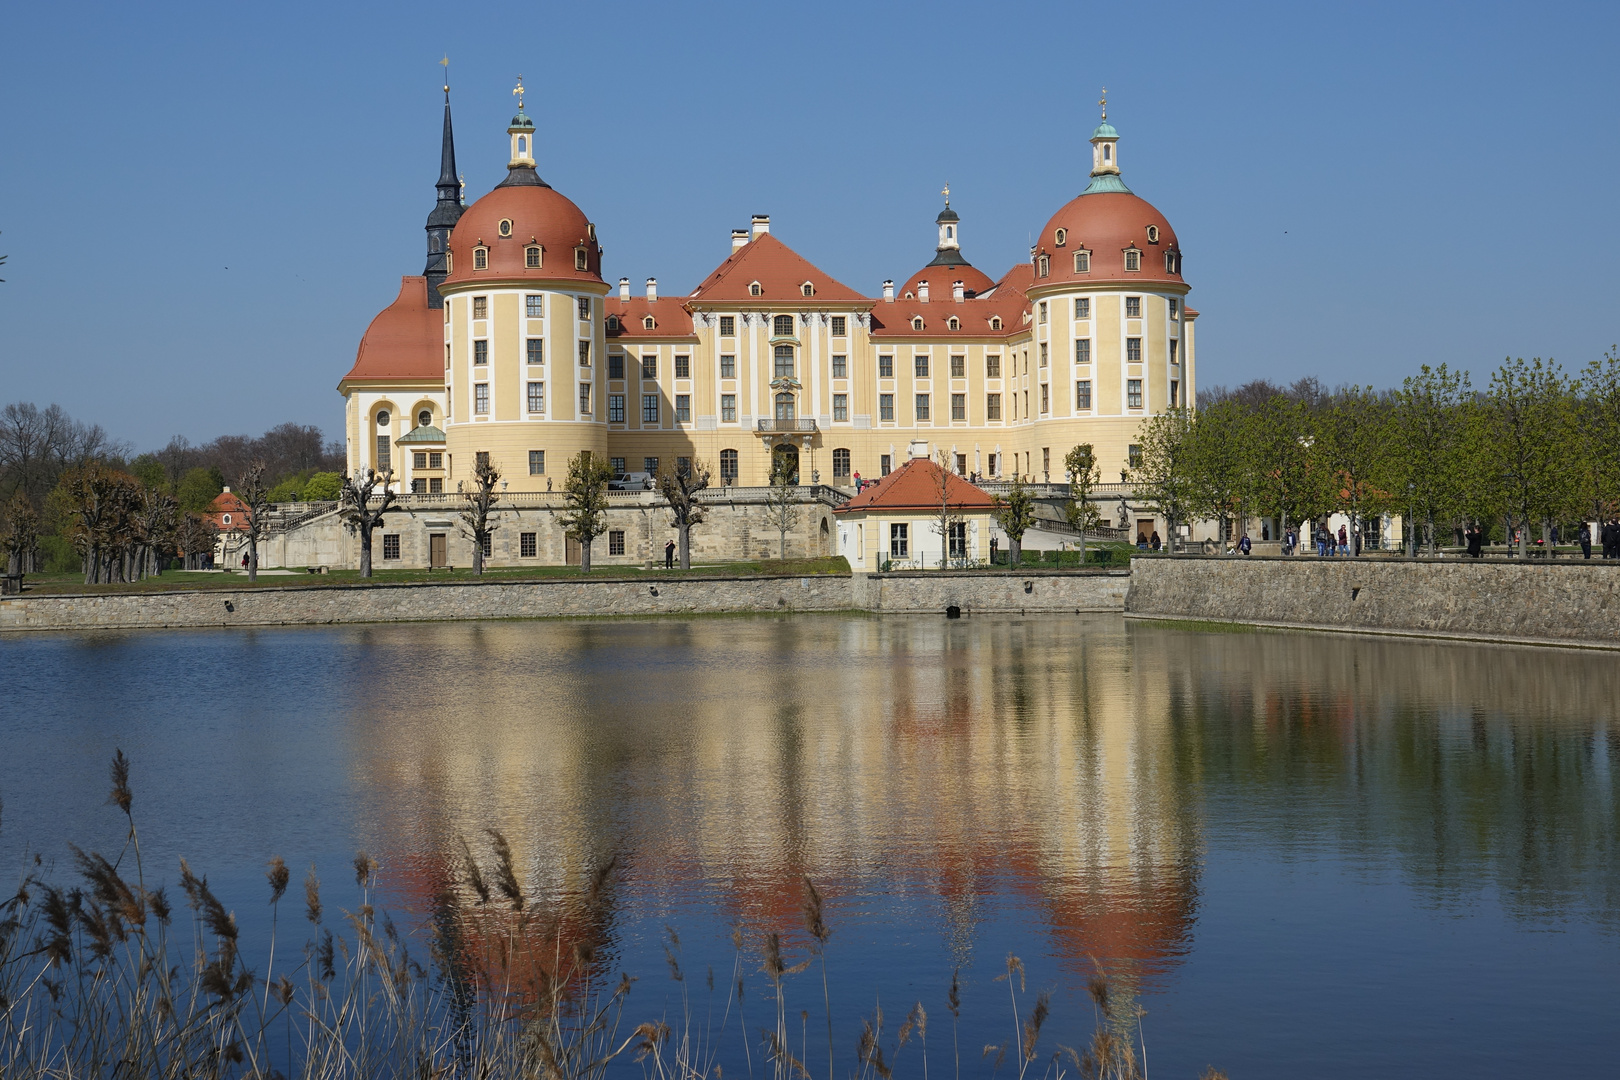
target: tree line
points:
(73, 498)
(1535, 450)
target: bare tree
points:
(478, 511)
(781, 505)
(255, 495)
(949, 519)
(155, 521)
(679, 487)
(585, 494)
(19, 533)
(354, 506)
(1080, 512)
(195, 539)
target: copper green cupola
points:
(1105, 156)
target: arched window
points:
(582, 259)
(950, 232)
(227, 518)
(1044, 265)
(523, 144)
(784, 406)
(916, 322)
(480, 258)
(1172, 262)
(995, 323)
(754, 289)
(506, 226)
(1061, 238)
(783, 326)
(953, 323)
(613, 324)
(1108, 152)
(647, 323)
(807, 289)
(531, 256)
(784, 362)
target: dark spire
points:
(446, 212)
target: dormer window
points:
(1082, 262)
(480, 258)
(506, 226)
(807, 289)
(1172, 262)
(648, 323)
(1061, 237)
(581, 258)
(613, 324)
(531, 256)
(1133, 259)
(754, 289)
(953, 323)
(916, 322)
(1043, 266)
(995, 322)
(1153, 234)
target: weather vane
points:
(946, 191)
(519, 93)
(445, 63)
(1103, 101)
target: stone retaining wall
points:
(1561, 601)
(975, 592)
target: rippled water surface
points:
(1304, 855)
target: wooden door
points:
(571, 551)
(436, 551)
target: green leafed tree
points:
(1352, 445)
(585, 498)
(1080, 464)
(1016, 516)
(1162, 470)
(1529, 423)
(1428, 451)
(1598, 437)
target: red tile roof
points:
(1005, 300)
(404, 341)
(781, 273)
(915, 486)
(670, 318)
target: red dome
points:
(404, 341)
(941, 276)
(538, 215)
(1106, 223)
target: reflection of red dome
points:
(1106, 223)
(539, 215)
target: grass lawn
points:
(44, 584)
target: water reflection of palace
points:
(728, 759)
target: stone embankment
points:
(969, 593)
(1565, 602)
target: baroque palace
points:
(512, 343)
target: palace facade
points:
(512, 343)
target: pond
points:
(1300, 854)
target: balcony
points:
(769, 426)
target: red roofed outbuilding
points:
(894, 523)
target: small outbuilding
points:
(895, 522)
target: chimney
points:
(739, 240)
(761, 225)
(624, 289)
(227, 490)
(956, 291)
(922, 291)
(888, 292)
(652, 289)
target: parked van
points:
(631, 481)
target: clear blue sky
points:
(205, 204)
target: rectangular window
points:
(531, 257)
(1173, 350)
(584, 399)
(1082, 307)
(649, 408)
(615, 541)
(683, 408)
(584, 354)
(617, 465)
(615, 365)
(782, 326)
(1043, 354)
(885, 406)
(992, 366)
(922, 407)
(1175, 306)
(784, 361)
(1082, 350)
(537, 463)
(840, 367)
(958, 540)
(480, 259)
(480, 352)
(649, 367)
(537, 397)
(992, 406)
(536, 350)
(1175, 392)
(728, 366)
(1133, 307)
(480, 307)
(885, 367)
(1043, 313)
(840, 406)
(840, 326)
(481, 398)
(435, 459)
(920, 365)
(1046, 403)
(650, 465)
(958, 406)
(683, 367)
(728, 466)
(1133, 260)
(585, 307)
(391, 546)
(435, 485)
(958, 367)
(683, 466)
(481, 457)
(1046, 461)
(418, 486)
(616, 410)
(728, 326)
(486, 545)
(728, 408)
(534, 306)
(1082, 394)
(1133, 350)
(1133, 393)
(528, 545)
(1133, 455)
(1082, 262)
(419, 459)
(899, 540)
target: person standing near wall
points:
(1585, 540)
(669, 554)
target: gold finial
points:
(518, 93)
(463, 179)
(947, 193)
(1103, 101)
(445, 63)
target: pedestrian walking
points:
(1476, 541)
(669, 554)
(857, 483)
(1344, 540)
(1290, 541)
(1244, 547)
(1585, 538)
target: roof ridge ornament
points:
(445, 63)
(1103, 101)
(518, 93)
